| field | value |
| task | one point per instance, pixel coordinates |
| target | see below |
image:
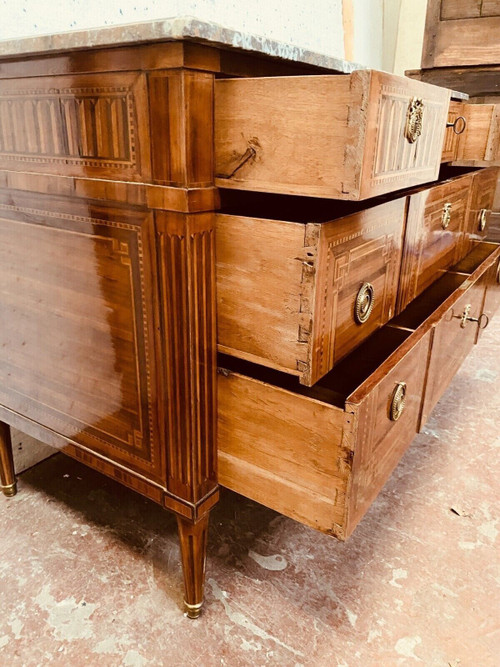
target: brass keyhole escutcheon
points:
(364, 303)
(414, 115)
(445, 220)
(398, 401)
(482, 219)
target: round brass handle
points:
(454, 125)
(398, 401)
(446, 217)
(365, 300)
(482, 219)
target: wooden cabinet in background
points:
(461, 32)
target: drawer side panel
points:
(285, 451)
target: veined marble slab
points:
(187, 28)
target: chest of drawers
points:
(164, 199)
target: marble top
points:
(187, 28)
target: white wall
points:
(315, 24)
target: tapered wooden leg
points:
(7, 475)
(193, 538)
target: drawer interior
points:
(339, 383)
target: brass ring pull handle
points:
(454, 125)
(465, 317)
(414, 115)
(365, 300)
(498, 273)
(446, 217)
(482, 219)
(398, 401)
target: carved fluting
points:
(89, 125)
(187, 269)
(395, 155)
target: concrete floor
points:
(90, 573)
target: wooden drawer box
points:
(342, 137)
(479, 145)
(434, 236)
(288, 290)
(321, 455)
(472, 134)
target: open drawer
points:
(298, 291)
(337, 136)
(322, 454)
(479, 144)
(455, 307)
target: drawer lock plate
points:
(445, 220)
(414, 115)
(482, 321)
(364, 303)
(398, 401)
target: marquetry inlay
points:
(100, 393)
(89, 126)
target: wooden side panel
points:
(451, 138)
(286, 135)
(361, 248)
(461, 32)
(390, 161)
(81, 125)
(285, 451)
(265, 277)
(429, 246)
(379, 441)
(77, 349)
(186, 259)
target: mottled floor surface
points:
(90, 572)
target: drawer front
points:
(481, 201)
(346, 137)
(380, 439)
(480, 143)
(357, 280)
(79, 125)
(455, 126)
(434, 236)
(405, 129)
(454, 337)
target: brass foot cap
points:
(192, 610)
(9, 490)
